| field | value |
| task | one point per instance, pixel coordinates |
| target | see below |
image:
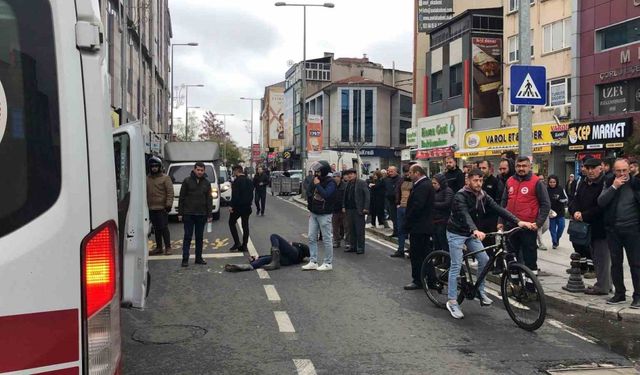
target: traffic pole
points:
(525, 138)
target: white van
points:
(225, 186)
(63, 218)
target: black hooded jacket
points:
(443, 200)
(455, 179)
(195, 196)
(502, 180)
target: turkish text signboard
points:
(314, 133)
(433, 13)
(441, 130)
(599, 134)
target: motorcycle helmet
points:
(321, 166)
(154, 161)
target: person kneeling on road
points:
(283, 253)
(470, 205)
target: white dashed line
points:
(284, 323)
(570, 331)
(272, 293)
(263, 274)
(250, 247)
(304, 366)
(205, 256)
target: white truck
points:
(180, 158)
(341, 159)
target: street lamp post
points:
(186, 107)
(303, 96)
(224, 122)
(251, 147)
(172, 84)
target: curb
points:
(566, 303)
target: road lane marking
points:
(571, 331)
(284, 323)
(250, 247)
(272, 293)
(263, 274)
(304, 366)
(205, 256)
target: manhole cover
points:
(168, 334)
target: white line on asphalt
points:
(304, 366)
(284, 323)
(206, 256)
(272, 293)
(250, 247)
(263, 274)
(571, 331)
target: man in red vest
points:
(526, 197)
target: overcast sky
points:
(245, 46)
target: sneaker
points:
(454, 309)
(636, 303)
(485, 300)
(325, 267)
(616, 299)
(311, 266)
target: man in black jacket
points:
(418, 223)
(469, 204)
(241, 197)
(621, 201)
(441, 211)
(337, 219)
(356, 206)
(584, 207)
(260, 182)
(391, 183)
(490, 185)
(455, 177)
(194, 208)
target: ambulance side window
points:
(29, 113)
(121, 152)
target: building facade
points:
(607, 90)
(139, 68)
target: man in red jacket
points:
(526, 196)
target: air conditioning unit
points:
(563, 112)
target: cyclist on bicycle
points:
(470, 205)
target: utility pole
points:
(525, 139)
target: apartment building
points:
(139, 68)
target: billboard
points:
(314, 133)
(288, 118)
(275, 115)
(433, 13)
(486, 71)
(255, 152)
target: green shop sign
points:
(438, 135)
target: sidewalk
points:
(555, 262)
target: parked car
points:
(225, 186)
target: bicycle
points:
(521, 290)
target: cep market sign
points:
(599, 134)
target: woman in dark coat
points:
(441, 211)
(378, 191)
(559, 200)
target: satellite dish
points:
(290, 62)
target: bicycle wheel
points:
(437, 262)
(523, 297)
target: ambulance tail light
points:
(101, 306)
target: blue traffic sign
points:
(528, 85)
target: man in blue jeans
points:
(470, 205)
(321, 201)
(194, 208)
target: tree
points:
(212, 129)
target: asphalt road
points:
(356, 319)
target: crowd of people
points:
(447, 211)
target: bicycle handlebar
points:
(503, 233)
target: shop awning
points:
(543, 148)
(424, 154)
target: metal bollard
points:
(575, 283)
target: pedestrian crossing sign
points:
(528, 85)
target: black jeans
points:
(393, 213)
(191, 223)
(160, 221)
(288, 253)
(439, 236)
(260, 200)
(524, 244)
(419, 248)
(631, 243)
(356, 231)
(233, 218)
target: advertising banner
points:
(487, 76)
(255, 152)
(275, 114)
(599, 134)
(314, 134)
(433, 13)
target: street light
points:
(186, 106)
(224, 122)
(251, 147)
(304, 67)
(172, 83)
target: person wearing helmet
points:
(159, 200)
(321, 202)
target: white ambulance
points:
(68, 233)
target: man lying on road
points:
(283, 253)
